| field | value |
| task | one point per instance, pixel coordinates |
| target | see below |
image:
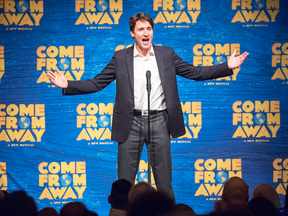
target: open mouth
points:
(145, 40)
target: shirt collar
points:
(137, 54)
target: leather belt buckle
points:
(144, 113)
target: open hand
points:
(59, 81)
(235, 62)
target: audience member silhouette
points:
(235, 195)
(151, 204)
(1, 195)
(119, 197)
(139, 190)
(268, 192)
(75, 209)
(233, 212)
(182, 210)
(284, 211)
(48, 211)
(143, 200)
(18, 203)
(4, 192)
(260, 206)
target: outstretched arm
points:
(60, 81)
(235, 62)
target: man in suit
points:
(129, 128)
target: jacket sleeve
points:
(96, 84)
(200, 73)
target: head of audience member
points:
(75, 209)
(5, 192)
(151, 203)
(235, 195)
(182, 210)
(1, 195)
(18, 203)
(119, 194)
(139, 190)
(260, 206)
(268, 192)
(48, 211)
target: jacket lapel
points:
(160, 64)
(129, 63)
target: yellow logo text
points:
(3, 176)
(211, 174)
(21, 13)
(62, 180)
(98, 12)
(69, 60)
(22, 123)
(176, 11)
(193, 124)
(93, 127)
(280, 61)
(256, 119)
(280, 174)
(209, 54)
(255, 11)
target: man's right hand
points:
(58, 80)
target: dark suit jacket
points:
(121, 68)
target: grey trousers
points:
(129, 152)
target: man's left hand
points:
(235, 62)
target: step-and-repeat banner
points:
(58, 148)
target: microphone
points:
(148, 76)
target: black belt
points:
(145, 112)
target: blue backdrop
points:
(58, 148)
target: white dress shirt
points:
(141, 65)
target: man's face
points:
(143, 35)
